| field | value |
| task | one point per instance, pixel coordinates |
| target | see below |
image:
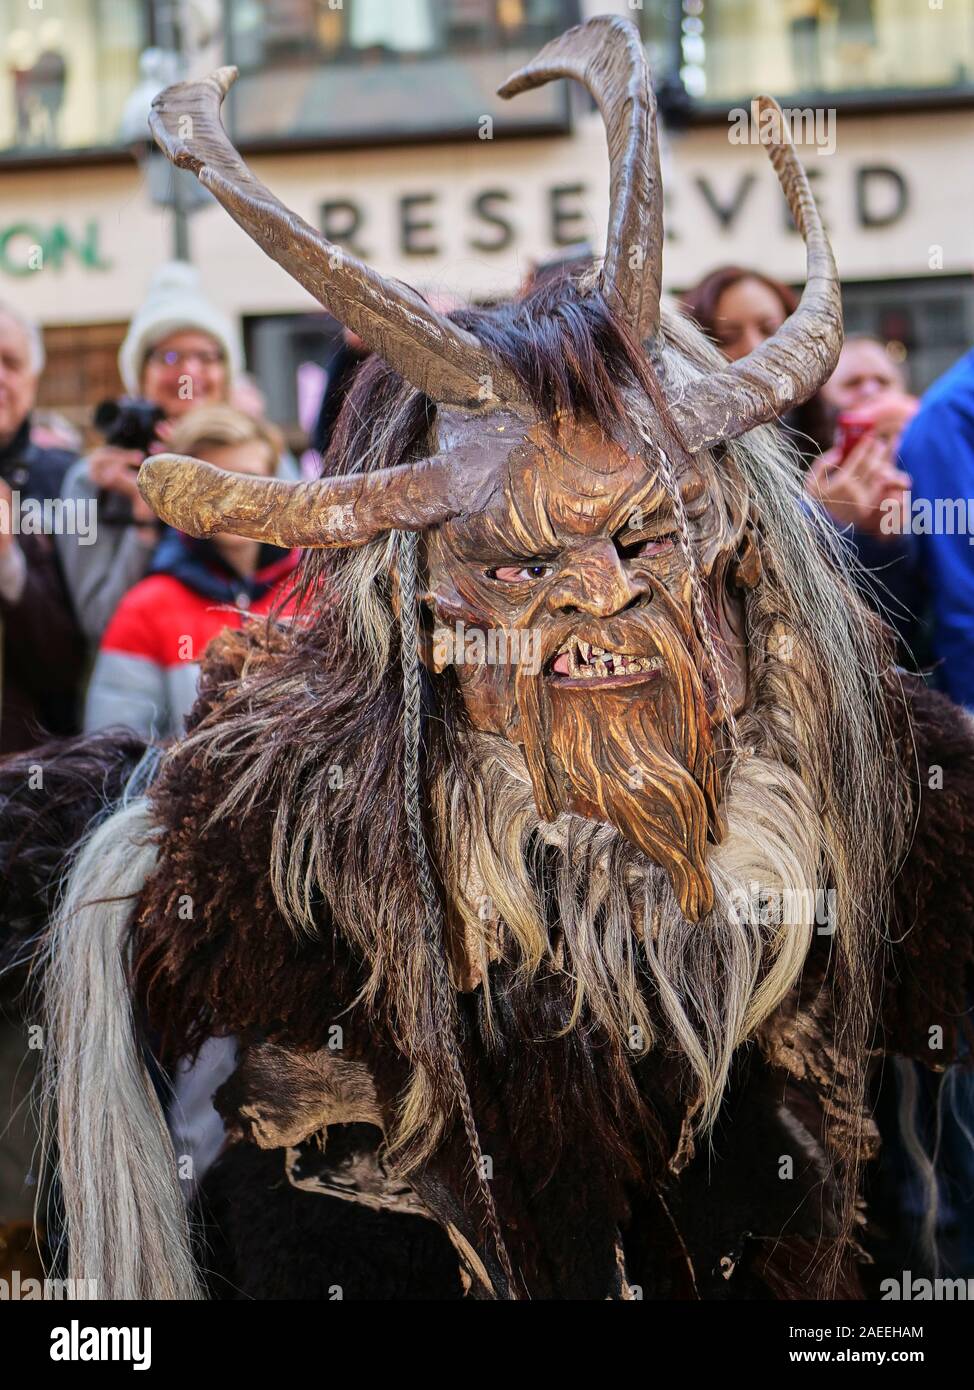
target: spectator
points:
(146, 672)
(859, 481)
(42, 650)
(855, 480)
(180, 352)
(938, 452)
(867, 389)
(866, 369)
(739, 308)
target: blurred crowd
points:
(106, 624)
(895, 474)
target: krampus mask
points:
(605, 576)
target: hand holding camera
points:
(133, 428)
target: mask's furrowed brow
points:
(511, 533)
(649, 499)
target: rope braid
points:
(697, 604)
(432, 907)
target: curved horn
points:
(432, 353)
(606, 55)
(794, 362)
(349, 510)
(202, 500)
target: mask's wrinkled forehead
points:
(560, 484)
(568, 481)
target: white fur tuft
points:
(103, 1124)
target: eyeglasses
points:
(171, 357)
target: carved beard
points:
(641, 758)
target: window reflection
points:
(315, 70)
(310, 69)
(308, 30)
(729, 49)
(66, 70)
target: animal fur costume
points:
(563, 871)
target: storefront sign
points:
(27, 247)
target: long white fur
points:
(102, 1122)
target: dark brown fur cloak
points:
(597, 1183)
(599, 1189)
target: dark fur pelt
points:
(81, 780)
(548, 1111)
(564, 1134)
(581, 1163)
(930, 962)
(259, 1237)
(578, 1160)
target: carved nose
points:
(596, 583)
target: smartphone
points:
(850, 428)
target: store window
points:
(67, 70)
(727, 50)
(81, 368)
(326, 72)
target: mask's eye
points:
(642, 546)
(657, 547)
(519, 574)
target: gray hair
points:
(35, 340)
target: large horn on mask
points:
(202, 500)
(349, 510)
(606, 55)
(432, 353)
(792, 364)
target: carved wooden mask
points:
(565, 607)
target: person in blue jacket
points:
(937, 451)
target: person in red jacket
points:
(146, 671)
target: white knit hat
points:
(174, 302)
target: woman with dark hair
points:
(851, 473)
(739, 308)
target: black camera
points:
(128, 423)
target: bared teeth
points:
(590, 662)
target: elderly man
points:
(40, 660)
(42, 650)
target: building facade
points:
(376, 120)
